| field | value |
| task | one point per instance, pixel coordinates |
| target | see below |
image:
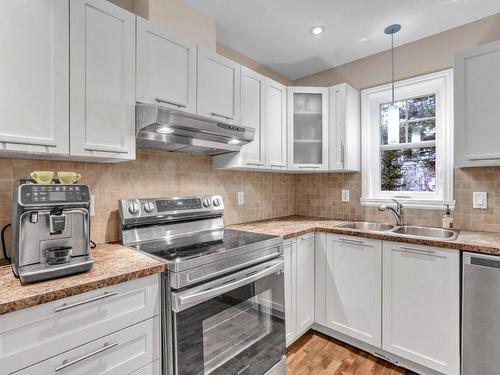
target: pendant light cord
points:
(392, 53)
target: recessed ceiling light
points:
(165, 130)
(317, 30)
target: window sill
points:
(420, 204)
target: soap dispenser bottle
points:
(447, 219)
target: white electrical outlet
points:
(345, 195)
(92, 205)
(480, 200)
(241, 198)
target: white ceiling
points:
(275, 32)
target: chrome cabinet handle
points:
(220, 115)
(106, 149)
(67, 363)
(160, 100)
(93, 299)
(353, 242)
(25, 142)
(183, 300)
(275, 165)
(408, 248)
(307, 167)
(255, 163)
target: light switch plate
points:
(345, 195)
(241, 198)
(480, 200)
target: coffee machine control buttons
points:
(134, 208)
(149, 206)
(217, 202)
(206, 202)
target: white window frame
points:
(440, 84)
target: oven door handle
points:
(184, 300)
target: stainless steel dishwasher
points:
(480, 314)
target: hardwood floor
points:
(317, 354)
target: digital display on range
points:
(176, 205)
(57, 196)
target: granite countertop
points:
(293, 226)
(114, 264)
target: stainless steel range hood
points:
(170, 130)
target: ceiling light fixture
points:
(393, 110)
(165, 130)
(317, 30)
(234, 142)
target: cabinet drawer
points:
(35, 334)
(120, 353)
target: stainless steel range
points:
(223, 292)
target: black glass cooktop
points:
(201, 244)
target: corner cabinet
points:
(34, 99)
(345, 129)
(218, 91)
(276, 129)
(353, 287)
(102, 82)
(308, 128)
(166, 68)
(421, 308)
(477, 119)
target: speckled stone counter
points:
(114, 264)
(292, 226)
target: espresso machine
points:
(50, 230)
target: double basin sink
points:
(406, 230)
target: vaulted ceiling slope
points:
(275, 32)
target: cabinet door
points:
(34, 76)
(218, 86)
(344, 144)
(477, 84)
(354, 286)
(166, 68)
(275, 125)
(305, 283)
(102, 84)
(290, 259)
(308, 128)
(253, 115)
(421, 289)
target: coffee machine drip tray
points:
(43, 271)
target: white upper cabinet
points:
(305, 283)
(353, 287)
(308, 128)
(421, 308)
(344, 132)
(218, 87)
(477, 118)
(276, 131)
(34, 76)
(102, 84)
(166, 68)
(252, 155)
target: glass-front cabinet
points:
(308, 128)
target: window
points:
(412, 162)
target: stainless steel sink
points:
(426, 232)
(363, 225)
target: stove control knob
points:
(149, 206)
(134, 208)
(206, 202)
(217, 202)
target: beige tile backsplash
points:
(267, 195)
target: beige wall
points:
(423, 56)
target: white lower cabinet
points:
(353, 287)
(421, 305)
(122, 352)
(299, 286)
(44, 334)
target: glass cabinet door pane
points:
(307, 128)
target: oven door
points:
(232, 325)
